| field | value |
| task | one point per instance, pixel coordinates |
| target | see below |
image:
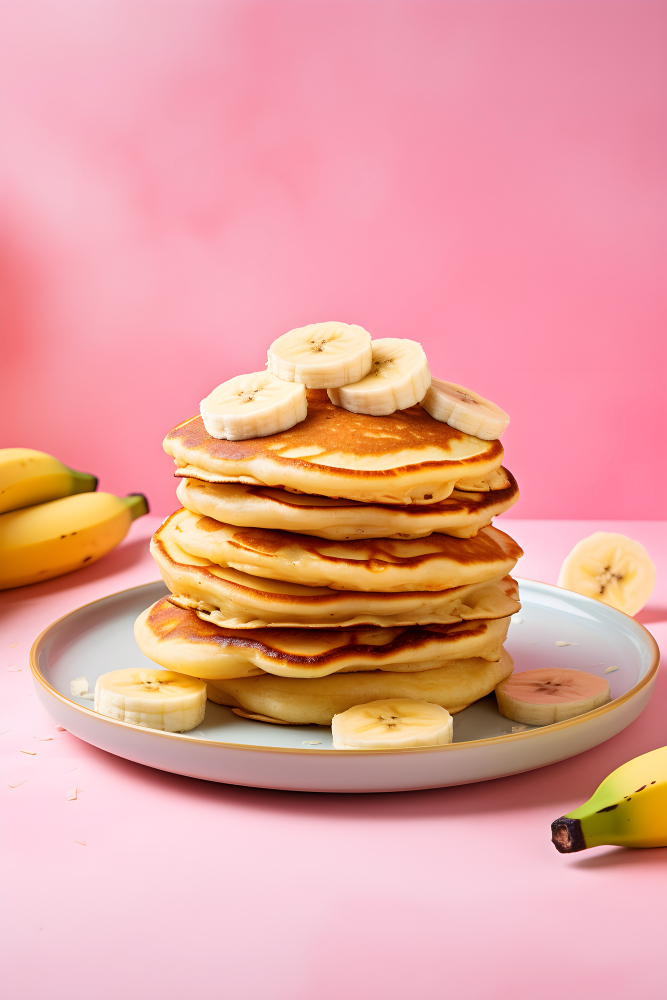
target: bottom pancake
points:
(315, 701)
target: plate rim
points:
(647, 679)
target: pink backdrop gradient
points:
(187, 180)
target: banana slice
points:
(392, 724)
(614, 569)
(464, 410)
(251, 406)
(399, 378)
(322, 355)
(156, 699)
(550, 694)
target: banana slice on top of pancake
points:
(398, 378)
(253, 406)
(436, 562)
(322, 355)
(465, 410)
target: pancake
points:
(237, 600)
(404, 458)
(315, 701)
(437, 562)
(179, 640)
(460, 515)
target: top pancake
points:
(404, 458)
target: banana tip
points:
(567, 836)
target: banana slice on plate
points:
(321, 355)
(392, 724)
(156, 699)
(611, 568)
(251, 406)
(465, 410)
(550, 694)
(399, 378)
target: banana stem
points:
(83, 482)
(137, 503)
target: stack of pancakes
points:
(347, 559)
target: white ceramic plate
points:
(98, 637)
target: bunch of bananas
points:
(51, 519)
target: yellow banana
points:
(49, 539)
(28, 477)
(629, 809)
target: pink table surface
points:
(155, 885)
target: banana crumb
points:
(13, 645)
(311, 743)
(561, 642)
(79, 687)
(518, 729)
(610, 670)
(71, 795)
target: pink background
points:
(187, 180)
